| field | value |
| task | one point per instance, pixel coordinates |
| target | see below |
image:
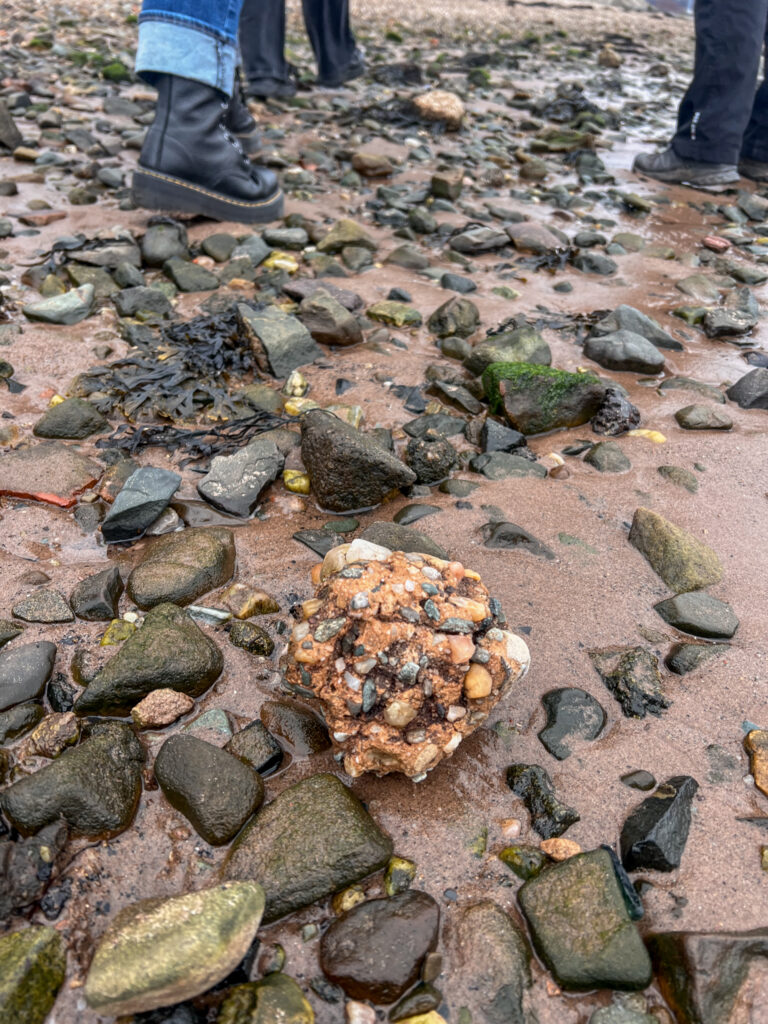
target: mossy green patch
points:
(32, 967)
(524, 375)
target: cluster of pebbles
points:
(406, 655)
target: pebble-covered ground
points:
(550, 387)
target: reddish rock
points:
(51, 472)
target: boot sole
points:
(155, 191)
(679, 178)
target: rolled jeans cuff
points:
(168, 48)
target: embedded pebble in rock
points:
(314, 839)
(169, 652)
(549, 815)
(700, 614)
(180, 567)
(95, 787)
(160, 708)
(212, 788)
(632, 675)
(571, 714)
(95, 598)
(581, 927)
(74, 418)
(24, 671)
(375, 950)
(161, 951)
(655, 833)
(43, 606)
(703, 417)
(145, 494)
(235, 483)
(680, 559)
(403, 655)
(33, 963)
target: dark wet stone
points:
(455, 317)
(457, 283)
(276, 998)
(145, 494)
(571, 714)
(312, 840)
(299, 727)
(626, 318)
(397, 537)
(413, 513)
(43, 606)
(131, 301)
(212, 788)
(615, 416)
(478, 240)
(457, 488)
(655, 833)
(26, 866)
(431, 458)
(375, 950)
(18, 720)
(495, 437)
(510, 536)
(24, 671)
(700, 614)
(235, 483)
(421, 999)
(607, 457)
(33, 964)
(594, 263)
(684, 658)
(751, 390)
(61, 693)
(639, 779)
(632, 675)
(96, 598)
(94, 787)
(162, 242)
(457, 395)
(435, 423)
(680, 477)
(492, 961)
(703, 417)
(257, 747)
(219, 246)
(520, 345)
(581, 927)
(701, 973)
(728, 323)
(407, 257)
(689, 384)
(537, 398)
(169, 652)
(254, 248)
(348, 469)
(502, 465)
(319, 541)
(251, 638)
(189, 277)
(328, 321)
(624, 350)
(286, 238)
(549, 816)
(301, 288)
(180, 567)
(281, 342)
(103, 283)
(526, 861)
(74, 419)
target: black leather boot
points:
(191, 163)
(238, 119)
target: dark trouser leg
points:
(327, 23)
(716, 108)
(755, 144)
(262, 40)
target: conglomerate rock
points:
(404, 653)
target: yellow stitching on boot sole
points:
(207, 192)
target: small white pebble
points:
(340, 664)
(410, 586)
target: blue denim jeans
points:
(191, 38)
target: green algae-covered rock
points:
(158, 952)
(312, 840)
(180, 567)
(682, 561)
(397, 314)
(581, 927)
(538, 398)
(275, 998)
(95, 787)
(170, 651)
(32, 967)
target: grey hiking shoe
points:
(755, 170)
(668, 166)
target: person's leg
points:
(329, 31)
(262, 48)
(754, 146)
(715, 110)
(189, 161)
